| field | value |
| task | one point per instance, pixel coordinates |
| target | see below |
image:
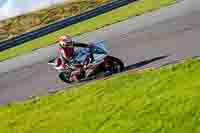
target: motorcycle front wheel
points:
(64, 77)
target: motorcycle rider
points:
(66, 51)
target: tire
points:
(64, 77)
(118, 66)
(115, 65)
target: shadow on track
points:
(145, 62)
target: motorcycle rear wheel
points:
(114, 65)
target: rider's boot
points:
(74, 75)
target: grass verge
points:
(162, 100)
(27, 22)
(114, 16)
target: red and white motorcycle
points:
(103, 64)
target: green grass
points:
(114, 16)
(164, 100)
